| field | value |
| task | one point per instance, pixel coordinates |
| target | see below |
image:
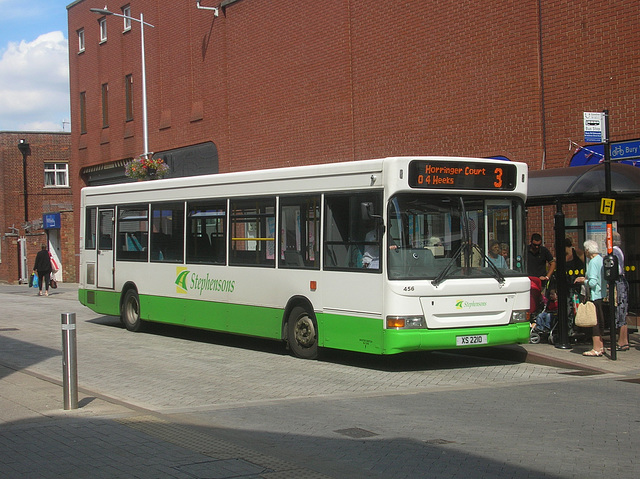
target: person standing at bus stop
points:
(622, 296)
(596, 283)
(540, 262)
(42, 266)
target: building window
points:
(81, 40)
(56, 174)
(103, 30)
(83, 112)
(105, 105)
(126, 11)
(128, 96)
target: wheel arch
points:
(294, 301)
(126, 287)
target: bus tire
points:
(302, 333)
(130, 311)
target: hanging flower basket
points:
(142, 168)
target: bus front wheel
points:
(302, 334)
(130, 312)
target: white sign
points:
(594, 127)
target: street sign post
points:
(608, 206)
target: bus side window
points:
(206, 241)
(90, 228)
(133, 233)
(299, 232)
(167, 223)
(352, 242)
(253, 231)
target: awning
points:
(579, 184)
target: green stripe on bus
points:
(352, 333)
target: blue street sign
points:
(51, 221)
(625, 150)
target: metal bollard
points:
(69, 361)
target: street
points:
(174, 402)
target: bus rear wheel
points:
(130, 311)
(302, 334)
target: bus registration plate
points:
(471, 340)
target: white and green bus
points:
(378, 256)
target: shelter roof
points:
(580, 184)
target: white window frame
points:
(81, 40)
(103, 29)
(53, 170)
(126, 11)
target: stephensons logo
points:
(187, 281)
(462, 304)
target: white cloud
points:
(34, 84)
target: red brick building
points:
(34, 185)
(268, 83)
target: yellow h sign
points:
(607, 206)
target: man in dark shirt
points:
(537, 258)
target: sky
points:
(34, 65)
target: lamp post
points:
(23, 146)
(145, 128)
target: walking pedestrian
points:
(42, 266)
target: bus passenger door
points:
(105, 248)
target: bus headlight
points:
(519, 317)
(406, 322)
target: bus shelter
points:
(575, 195)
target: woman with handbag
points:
(42, 266)
(595, 282)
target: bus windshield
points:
(450, 236)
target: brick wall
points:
(590, 64)
(43, 147)
(279, 83)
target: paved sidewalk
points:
(105, 438)
(110, 438)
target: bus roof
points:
(348, 175)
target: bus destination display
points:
(462, 175)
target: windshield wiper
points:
(443, 274)
(464, 246)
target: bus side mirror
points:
(367, 214)
(366, 211)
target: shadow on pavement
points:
(150, 447)
(27, 354)
(413, 361)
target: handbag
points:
(53, 283)
(586, 316)
(31, 276)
